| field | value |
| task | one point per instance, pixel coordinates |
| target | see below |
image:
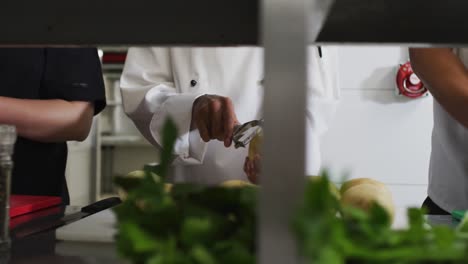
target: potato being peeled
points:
(362, 196)
(255, 145)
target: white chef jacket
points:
(448, 170)
(158, 83)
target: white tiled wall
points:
(375, 133)
(79, 172)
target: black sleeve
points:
(73, 74)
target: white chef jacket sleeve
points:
(322, 101)
(150, 96)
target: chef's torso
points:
(232, 72)
(236, 73)
(448, 172)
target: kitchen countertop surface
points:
(401, 222)
(90, 241)
(37, 238)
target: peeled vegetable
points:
(236, 184)
(364, 195)
(140, 174)
(255, 145)
(348, 184)
(168, 186)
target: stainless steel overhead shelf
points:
(397, 21)
(229, 22)
(284, 26)
(123, 22)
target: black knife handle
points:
(101, 205)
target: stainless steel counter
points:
(34, 237)
(442, 220)
(47, 247)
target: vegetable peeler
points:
(243, 134)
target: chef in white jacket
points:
(207, 91)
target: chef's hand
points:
(252, 168)
(214, 118)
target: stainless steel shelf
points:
(113, 48)
(397, 21)
(113, 103)
(211, 22)
(123, 23)
(124, 141)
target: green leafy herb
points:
(190, 224)
(200, 225)
(355, 236)
(463, 227)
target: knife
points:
(57, 218)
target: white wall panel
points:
(369, 67)
(375, 133)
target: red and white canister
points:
(408, 83)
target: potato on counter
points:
(331, 186)
(138, 174)
(362, 193)
(237, 184)
(348, 184)
(168, 186)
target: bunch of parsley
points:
(200, 225)
(331, 234)
(189, 224)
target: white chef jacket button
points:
(193, 83)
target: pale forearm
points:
(446, 77)
(47, 120)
